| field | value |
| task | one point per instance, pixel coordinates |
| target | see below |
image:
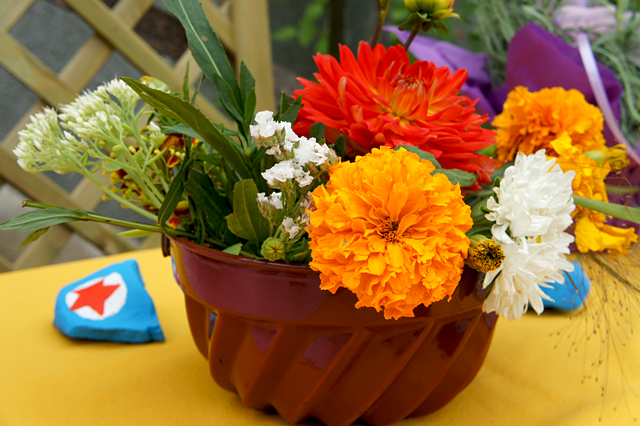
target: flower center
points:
(405, 83)
(488, 256)
(389, 230)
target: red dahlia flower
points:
(381, 99)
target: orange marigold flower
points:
(389, 231)
(381, 99)
(530, 121)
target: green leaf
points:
(171, 200)
(203, 42)
(136, 233)
(247, 83)
(250, 106)
(199, 188)
(39, 219)
(229, 102)
(191, 116)
(32, 237)
(246, 221)
(317, 131)
(110, 166)
(234, 226)
(234, 249)
(424, 155)
(616, 210)
(185, 84)
(458, 176)
(340, 147)
(181, 129)
(285, 104)
(291, 113)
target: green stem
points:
(91, 217)
(631, 214)
(414, 32)
(115, 196)
(382, 15)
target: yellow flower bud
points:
(155, 83)
(484, 254)
(616, 158)
(431, 7)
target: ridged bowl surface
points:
(271, 335)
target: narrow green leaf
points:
(246, 221)
(291, 113)
(250, 106)
(424, 155)
(171, 200)
(456, 176)
(203, 42)
(199, 188)
(181, 129)
(191, 116)
(185, 84)
(285, 104)
(631, 214)
(32, 237)
(247, 83)
(234, 249)
(229, 102)
(38, 219)
(136, 233)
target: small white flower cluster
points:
(49, 142)
(300, 160)
(276, 135)
(294, 226)
(268, 205)
(45, 146)
(95, 114)
(531, 214)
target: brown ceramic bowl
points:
(271, 335)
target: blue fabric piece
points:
(570, 295)
(110, 304)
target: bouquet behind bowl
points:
(380, 177)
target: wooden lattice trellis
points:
(246, 38)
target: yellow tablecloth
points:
(48, 379)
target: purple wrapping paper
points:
(537, 59)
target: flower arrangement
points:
(380, 175)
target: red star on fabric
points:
(94, 296)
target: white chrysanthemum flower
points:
(533, 209)
(534, 196)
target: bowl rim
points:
(239, 260)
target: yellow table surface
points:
(49, 379)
